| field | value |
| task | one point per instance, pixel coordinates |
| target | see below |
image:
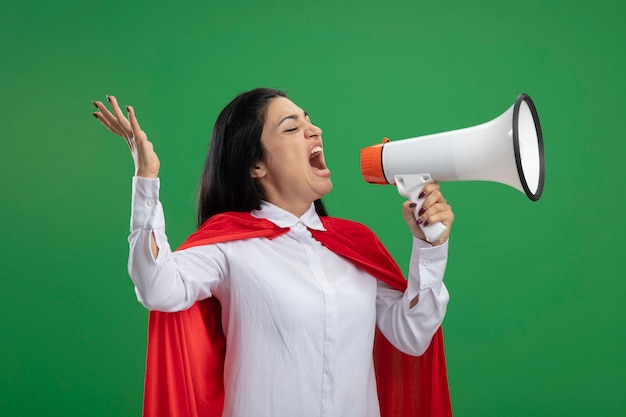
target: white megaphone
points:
(507, 149)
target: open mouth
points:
(316, 158)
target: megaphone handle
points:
(411, 186)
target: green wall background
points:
(535, 325)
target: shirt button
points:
(426, 262)
(150, 203)
(299, 224)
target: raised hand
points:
(146, 160)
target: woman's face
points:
(294, 173)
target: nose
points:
(313, 131)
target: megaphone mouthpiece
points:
(372, 163)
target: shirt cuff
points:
(146, 209)
(427, 266)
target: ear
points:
(258, 170)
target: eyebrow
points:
(291, 116)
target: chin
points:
(327, 188)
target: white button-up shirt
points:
(299, 320)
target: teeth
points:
(316, 150)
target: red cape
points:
(185, 355)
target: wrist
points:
(147, 174)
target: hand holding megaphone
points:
(507, 150)
(411, 186)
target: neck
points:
(296, 209)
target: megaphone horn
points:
(507, 150)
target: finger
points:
(409, 206)
(447, 218)
(119, 116)
(430, 187)
(408, 210)
(109, 121)
(112, 123)
(106, 114)
(438, 207)
(440, 212)
(134, 123)
(113, 128)
(430, 193)
(433, 198)
(408, 214)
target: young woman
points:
(300, 293)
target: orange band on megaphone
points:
(372, 163)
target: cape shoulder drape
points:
(185, 354)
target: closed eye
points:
(295, 118)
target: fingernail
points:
(95, 115)
(419, 213)
(412, 205)
(94, 104)
(108, 98)
(419, 221)
(422, 195)
(425, 223)
(128, 108)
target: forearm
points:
(155, 270)
(410, 319)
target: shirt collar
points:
(282, 218)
